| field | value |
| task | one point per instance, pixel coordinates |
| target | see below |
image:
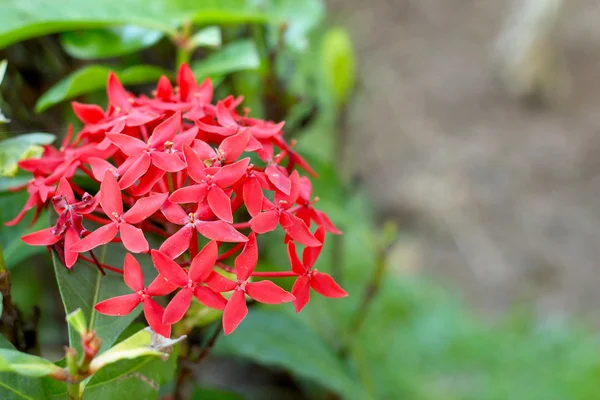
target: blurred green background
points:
(401, 334)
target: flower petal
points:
(71, 256)
(220, 231)
(178, 243)
(310, 254)
(148, 180)
(144, 208)
(160, 286)
(137, 169)
(253, 196)
(297, 266)
(128, 144)
(186, 81)
(235, 312)
(118, 306)
(154, 315)
(220, 204)
(64, 189)
(246, 261)
(224, 116)
(110, 196)
(230, 174)
(132, 273)
(209, 298)
(301, 291)
(88, 113)
(268, 292)
(44, 237)
(219, 283)
(100, 236)
(195, 166)
(169, 269)
(164, 89)
(265, 222)
(203, 263)
(99, 167)
(174, 213)
(178, 306)
(326, 286)
(278, 178)
(117, 95)
(232, 147)
(298, 230)
(168, 162)
(165, 131)
(133, 238)
(189, 194)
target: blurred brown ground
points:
(502, 200)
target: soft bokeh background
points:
(461, 169)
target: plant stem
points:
(73, 384)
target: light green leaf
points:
(107, 43)
(93, 78)
(141, 376)
(26, 19)
(3, 65)
(18, 387)
(83, 287)
(20, 147)
(339, 64)
(291, 344)
(26, 364)
(137, 345)
(237, 56)
(13, 248)
(207, 37)
(76, 320)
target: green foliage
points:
(26, 19)
(76, 320)
(93, 78)
(83, 287)
(339, 64)
(20, 147)
(237, 56)
(16, 386)
(109, 42)
(207, 37)
(214, 394)
(290, 344)
(26, 364)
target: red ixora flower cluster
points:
(178, 167)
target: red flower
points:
(151, 152)
(190, 282)
(212, 183)
(308, 213)
(179, 242)
(123, 305)
(112, 204)
(68, 227)
(262, 291)
(308, 277)
(277, 214)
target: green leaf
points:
(107, 43)
(300, 17)
(15, 386)
(21, 20)
(3, 65)
(76, 320)
(137, 345)
(214, 394)
(83, 287)
(141, 376)
(26, 364)
(20, 147)
(207, 37)
(237, 56)
(339, 64)
(291, 344)
(13, 248)
(93, 78)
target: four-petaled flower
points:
(308, 277)
(112, 204)
(191, 283)
(262, 291)
(123, 305)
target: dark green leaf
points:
(214, 394)
(237, 56)
(93, 78)
(291, 344)
(18, 387)
(25, 19)
(83, 287)
(13, 248)
(107, 43)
